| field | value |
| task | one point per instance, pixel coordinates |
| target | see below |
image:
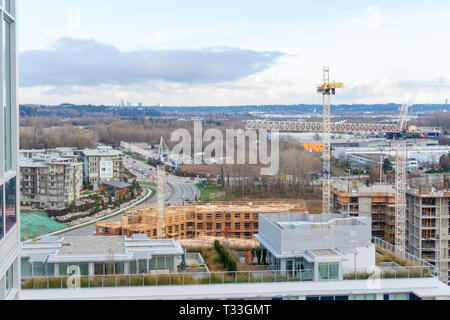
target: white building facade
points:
(9, 141)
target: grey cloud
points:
(90, 63)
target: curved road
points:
(178, 189)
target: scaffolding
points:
(239, 221)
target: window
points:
(119, 268)
(38, 269)
(161, 263)
(7, 92)
(26, 269)
(2, 229)
(133, 267)
(362, 297)
(399, 296)
(142, 266)
(99, 269)
(6, 4)
(329, 271)
(10, 204)
(9, 279)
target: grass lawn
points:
(207, 190)
(148, 184)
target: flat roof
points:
(101, 152)
(116, 184)
(98, 248)
(92, 245)
(324, 252)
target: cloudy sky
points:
(234, 52)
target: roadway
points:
(178, 190)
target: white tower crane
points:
(161, 189)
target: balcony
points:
(209, 278)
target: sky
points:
(234, 52)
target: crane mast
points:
(161, 189)
(400, 182)
(327, 89)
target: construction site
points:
(399, 214)
(214, 220)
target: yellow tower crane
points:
(327, 89)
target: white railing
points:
(390, 247)
(208, 278)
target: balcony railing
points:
(208, 278)
(388, 246)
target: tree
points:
(444, 162)
(387, 165)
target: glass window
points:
(362, 297)
(160, 263)
(169, 262)
(133, 267)
(109, 266)
(120, 268)
(142, 266)
(26, 269)
(9, 279)
(7, 91)
(50, 269)
(38, 269)
(152, 264)
(99, 269)
(62, 269)
(323, 271)
(329, 271)
(84, 269)
(2, 229)
(10, 204)
(333, 271)
(6, 5)
(398, 296)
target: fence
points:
(208, 278)
(390, 247)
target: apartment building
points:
(50, 183)
(103, 163)
(94, 256)
(320, 247)
(362, 200)
(239, 221)
(428, 222)
(9, 142)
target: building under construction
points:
(376, 201)
(237, 220)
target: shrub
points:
(225, 257)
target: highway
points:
(178, 189)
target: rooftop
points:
(116, 184)
(97, 248)
(92, 245)
(101, 152)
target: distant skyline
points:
(232, 52)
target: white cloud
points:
(91, 63)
